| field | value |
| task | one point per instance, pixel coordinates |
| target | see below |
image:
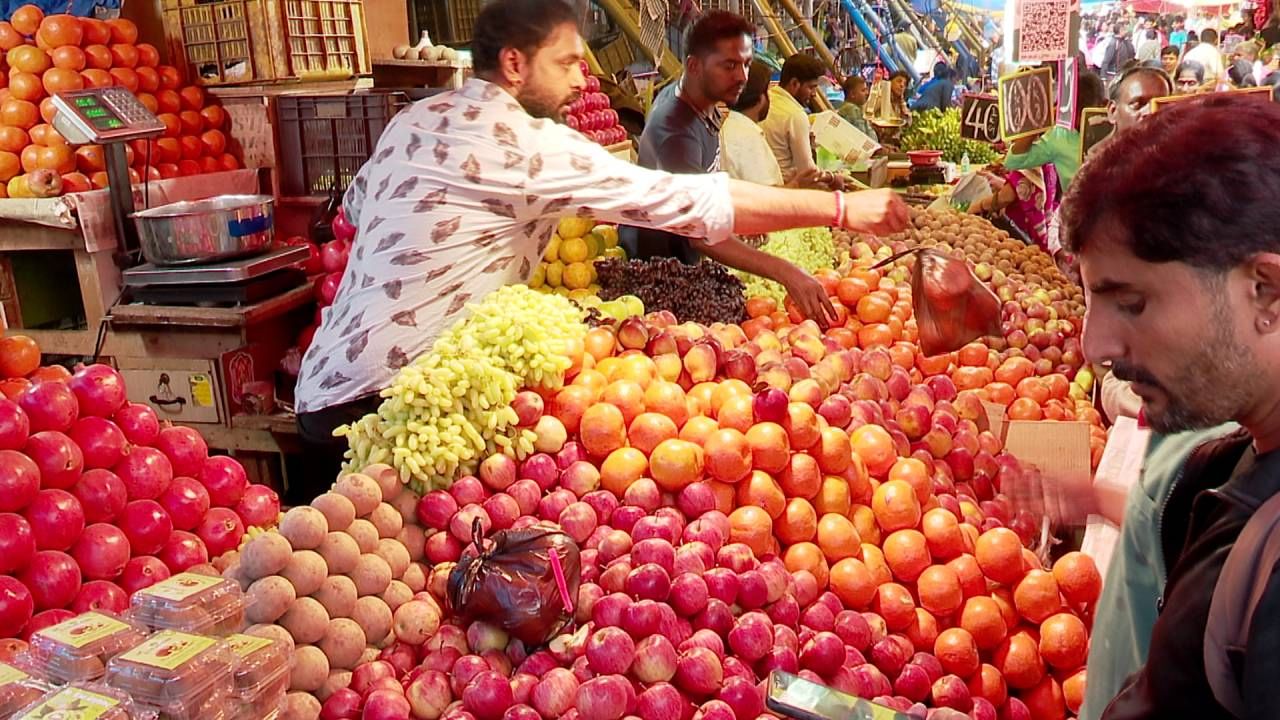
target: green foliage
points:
(938, 130)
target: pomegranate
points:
(99, 389)
(342, 228)
(185, 449)
(138, 422)
(147, 526)
(334, 255)
(100, 595)
(17, 543)
(259, 506)
(53, 578)
(186, 501)
(42, 620)
(102, 495)
(49, 405)
(223, 477)
(183, 551)
(56, 519)
(58, 457)
(100, 440)
(14, 425)
(102, 551)
(221, 531)
(143, 572)
(16, 606)
(19, 480)
(146, 473)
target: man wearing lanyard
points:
(463, 192)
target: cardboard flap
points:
(1059, 451)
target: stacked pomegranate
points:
(593, 115)
(99, 500)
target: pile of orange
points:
(45, 55)
(20, 365)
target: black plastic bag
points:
(952, 306)
(509, 580)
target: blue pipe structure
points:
(888, 51)
(869, 35)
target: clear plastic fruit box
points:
(18, 689)
(83, 701)
(179, 675)
(192, 603)
(78, 650)
(261, 676)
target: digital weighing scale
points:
(243, 281)
(109, 117)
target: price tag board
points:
(1026, 104)
(1263, 94)
(980, 118)
(1094, 128)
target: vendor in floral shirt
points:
(464, 190)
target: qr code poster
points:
(1043, 29)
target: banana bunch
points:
(936, 130)
(811, 249)
(451, 407)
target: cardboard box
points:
(1059, 451)
(184, 391)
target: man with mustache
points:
(1183, 293)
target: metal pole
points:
(121, 193)
(627, 18)
(784, 43)
(906, 64)
(809, 32)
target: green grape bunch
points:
(939, 130)
(450, 408)
(811, 249)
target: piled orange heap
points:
(44, 56)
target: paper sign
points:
(72, 703)
(980, 118)
(838, 137)
(182, 586)
(1120, 466)
(1026, 104)
(1261, 93)
(1060, 452)
(169, 649)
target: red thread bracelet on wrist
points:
(839, 221)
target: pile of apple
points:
(593, 116)
(98, 499)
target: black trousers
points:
(317, 468)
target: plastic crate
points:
(324, 139)
(450, 22)
(325, 37)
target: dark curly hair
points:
(1138, 180)
(521, 24)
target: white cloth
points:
(1099, 52)
(459, 199)
(786, 129)
(745, 154)
(1211, 58)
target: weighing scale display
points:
(102, 115)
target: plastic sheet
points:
(952, 306)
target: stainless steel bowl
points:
(206, 230)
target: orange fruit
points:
(68, 57)
(799, 522)
(58, 30)
(1025, 409)
(942, 532)
(1036, 596)
(807, 556)
(875, 447)
(19, 356)
(78, 182)
(907, 554)
(989, 683)
(124, 55)
(95, 78)
(125, 78)
(148, 81)
(893, 602)
(938, 587)
(915, 473)
(957, 652)
(19, 113)
(728, 455)
(851, 581)
(802, 477)
(762, 491)
(850, 290)
(95, 32)
(758, 306)
(999, 554)
(895, 506)
(1045, 701)
(983, 619)
(667, 398)
(192, 98)
(697, 429)
(770, 448)
(1078, 578)
(9, 38)
(625, 395)
(923, 632)
(148, 55)
(10, 165)
(25, 86)
(873, 558)
(170, 77)
(1018, 659)
(27, 19)
(833, 497)
(753, 527)
(647, 430)
(602, 429)
(13, 139)
(972, 580)
(623, 466)
(60, 80)
(170, 101)
(28, 59)
(214, 116)
(802, 428)
(123, 31)
(1073, 689)
(874, 307)
(97, 57)
(1064, 641)
(91, 159)
(838, 538)
(675, 463)
(58, 158)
